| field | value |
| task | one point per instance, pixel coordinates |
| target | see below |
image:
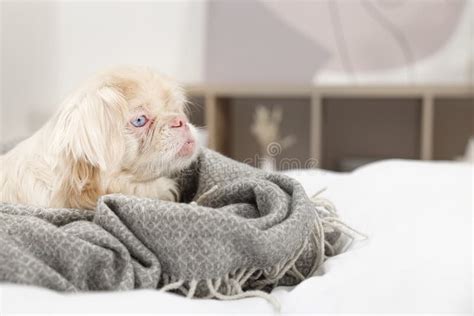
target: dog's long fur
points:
(90, 148)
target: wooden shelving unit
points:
(360, 122)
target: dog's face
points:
(128, 120)
(158, 138)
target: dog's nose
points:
(178, 122)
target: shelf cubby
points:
(295, 122)
(453, 126)
(361, 129)
(341, 127)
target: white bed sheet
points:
(418, 216)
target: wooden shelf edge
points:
(330, 91)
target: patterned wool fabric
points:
(238, 230)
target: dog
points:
(124, 131)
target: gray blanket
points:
(238, 230)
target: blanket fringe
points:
(229, 287)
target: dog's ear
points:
(80, 186)
(88, 137)
(89, 126)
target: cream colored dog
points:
(124, 131)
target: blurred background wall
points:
(49, 47)
(339, 41)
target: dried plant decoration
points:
(266, 129)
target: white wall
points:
(28, 69)
(47, 48)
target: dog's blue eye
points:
(139, 121)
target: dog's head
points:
(128, 119)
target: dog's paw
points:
(168, 190)
(161, 188)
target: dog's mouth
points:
(188, 148)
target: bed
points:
(418, 258)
